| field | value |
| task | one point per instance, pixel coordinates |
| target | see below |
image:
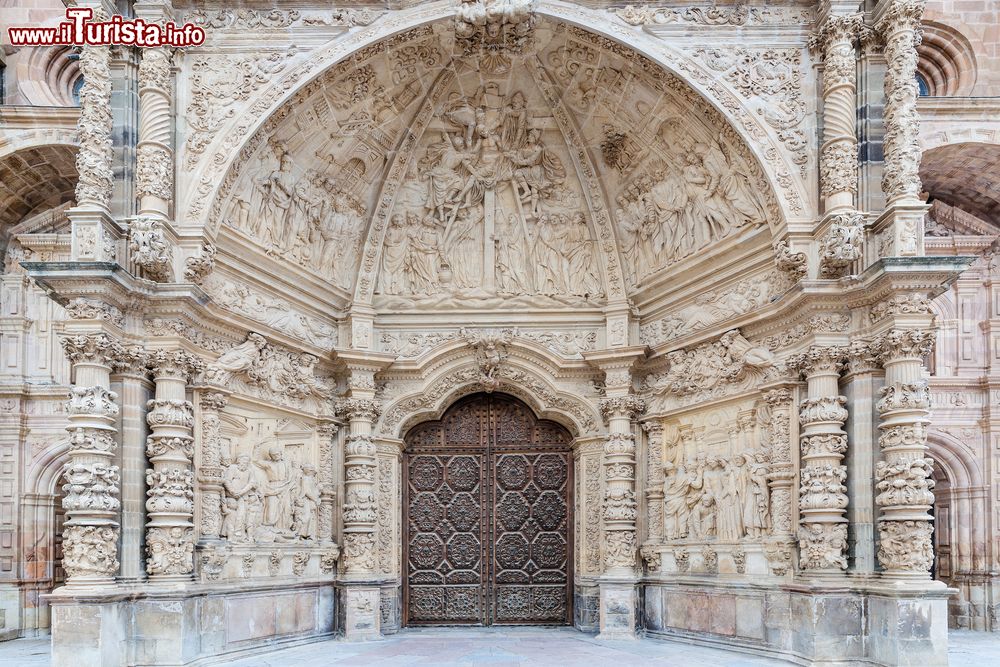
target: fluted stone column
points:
(654, 494)
(211, 403)
(861, 382)
(900, 229)
(838, 178)
(130, 378)
(91, 488)
(780, 474)
(903, 476)
(823, 443)
(170, 481)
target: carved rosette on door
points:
(488, 517)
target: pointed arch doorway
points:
(488, 517)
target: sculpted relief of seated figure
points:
(270, 499)
(723, 498)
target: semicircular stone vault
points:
(561, 172)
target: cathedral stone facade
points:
(662, 321)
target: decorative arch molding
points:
(242, 136)
(452, 373)
(44, 472)
(946, 60)
(959, 465)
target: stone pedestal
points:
(909, 631)
(358, 610)
(88, 633)
(619, 609)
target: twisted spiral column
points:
(154, 153)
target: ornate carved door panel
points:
(488, 517)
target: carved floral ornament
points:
(331, 199)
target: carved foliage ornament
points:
(150, 249)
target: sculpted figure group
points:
(309, 219)
(717, 498)
(695, 197)
(486, 179)
(270, 499)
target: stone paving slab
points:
(512, 647)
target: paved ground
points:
(497, 647)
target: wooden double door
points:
(488, 517)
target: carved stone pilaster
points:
(904, 483)
(654, 482)
(899, 26)
(620, 508)
(327, 433)
(823, 443)
(210, 467)
(835, 41)
(170, 448)
(91, 480)
(780, 473)
(360, 513)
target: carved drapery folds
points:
(823, 442)
(93, 161)
(91, 480)
(835, 41)
(170, 480)
(620, 508)
(360, 513)
(903, 476)
(899, 26)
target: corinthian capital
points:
(819, 359)
(91, 348)
(622, 406)
(360, 408)
(901, 15)
(174, 363)
(904, 344)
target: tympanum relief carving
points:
(537, 182)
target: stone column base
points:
(619, 606)
(358, 609)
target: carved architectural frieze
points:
(737, 15)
